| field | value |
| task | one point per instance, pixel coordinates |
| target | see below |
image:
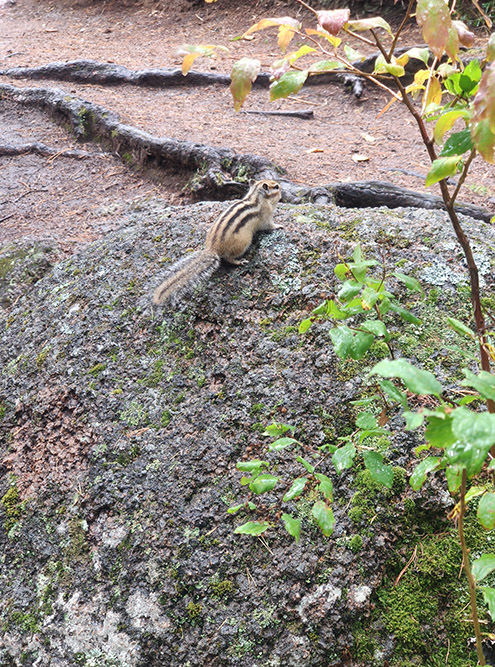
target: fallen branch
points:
(216, 168)
(296, 114)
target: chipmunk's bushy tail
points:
(186, 274)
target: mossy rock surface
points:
(120, 429)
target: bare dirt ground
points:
(77, 200)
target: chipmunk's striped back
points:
(229, 238)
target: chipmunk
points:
(228, 239)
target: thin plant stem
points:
(467, 569)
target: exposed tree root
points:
(216, 169)
(43, 150)
(219, 172)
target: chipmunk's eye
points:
(265, 186)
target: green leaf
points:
(439, 432)
(486, 511)
(482, 566)
(289, 83)
(405, 314)
(379, 471)
(243, 73)
(297, 487)
(416, 380)
(361, 343)
(474, 492)
(410, 282)
(419, 54)
(250, 466)
(369, 24)
(263, 483)
(304, 325)
(324, 518)
(252, 528)
(342, 338)
(460, 328)
(442, 168)
(349, 290)
(447, 121)
(470, 77)
(307, 465)
(474, 433)
(351, 54)
(276, 429)
(484, 383)
(365, 420)
(375, 327)
(235, 508)
(418, 477)
(324, 66)
(489, 598)
(343, 457)
(391, 390)
(372, 433)
(281, 443)
(473, 427)
(413, 420)
(292, 526)
(454, 478)
(369, 297)
(341, 270)
(457, 144)
(325, 485)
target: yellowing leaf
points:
(193, 51)
(490, 48)
(484, 140)
(285, 21)
(446, 123)
(433, 93)
(387, 107)
(442, 168)
(452, 43)
(244, 72)
(433, 18)
(188, 62)
(333, 20)
(421, 76)
(300, 52)
(285, 35)
(483, 120)
(334, 41)
(369, 24)
(403, 60)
